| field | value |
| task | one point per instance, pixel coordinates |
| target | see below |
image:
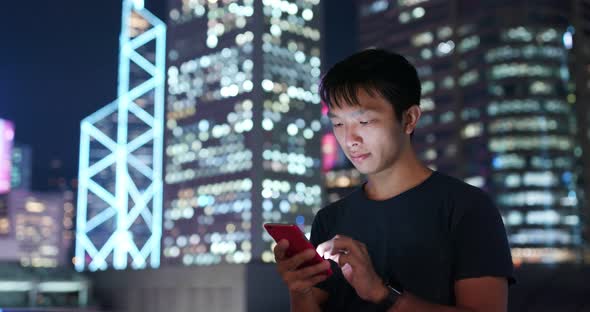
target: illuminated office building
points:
(498, 107)
(20, 176)
(6, 142)
(581, 40)
(22, 167)
(43, 224)
(242, 126)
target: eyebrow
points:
(356, 113)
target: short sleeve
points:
(480, 245)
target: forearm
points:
(407, 303)
(303, 302)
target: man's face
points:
(369, 133)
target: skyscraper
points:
(40, 220)
(22, 167)
(581, 45)
(497, 106)
(120, 179)
(242, 128)
(6, 142)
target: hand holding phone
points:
(300, 266)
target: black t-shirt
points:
(421, 240)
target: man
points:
(409, 239)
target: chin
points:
(365, 170)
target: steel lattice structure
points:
(119, 210)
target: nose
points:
(352, 137)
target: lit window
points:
(427, 87)
(518, 34)
(445, 48)
(472, 130)
(447, 117)
(424, 38)
(469, 78)
(444, 32)
(427, 104)
(468, 43)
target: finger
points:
(363, 248)
(324, 247)
(313, 270)
(353, 260)
(348, 245)
(328, 246)
(333, 257)
(303, 284)
(318, 278)
(343, 245)
(307, 276)
(280, 249)
(346, 268)
(343, 259)
(297, 260)
(347, 271)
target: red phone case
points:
(297, 241)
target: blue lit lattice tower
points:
(120, 179)
(243, 122)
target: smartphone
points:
(297, 242)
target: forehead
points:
(366, 101)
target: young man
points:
(409, 239)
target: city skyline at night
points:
(169, 202)
(415, 17)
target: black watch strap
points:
(392, 297)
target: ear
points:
(411, 117)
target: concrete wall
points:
(258, 288)
(209, 289)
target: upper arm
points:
(482, 294)
(480, 246)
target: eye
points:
(337, 124)
(365, 122)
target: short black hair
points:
(375, 71)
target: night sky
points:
(58, 64)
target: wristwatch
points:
(392, 296)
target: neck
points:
(407, 172)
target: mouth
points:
(359, 157)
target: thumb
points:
(281, 249)
(347, 272)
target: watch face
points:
(391, 298)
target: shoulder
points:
(460, 191)
(339, 210)
(466, 203)
(338, 207)
(328, 216)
